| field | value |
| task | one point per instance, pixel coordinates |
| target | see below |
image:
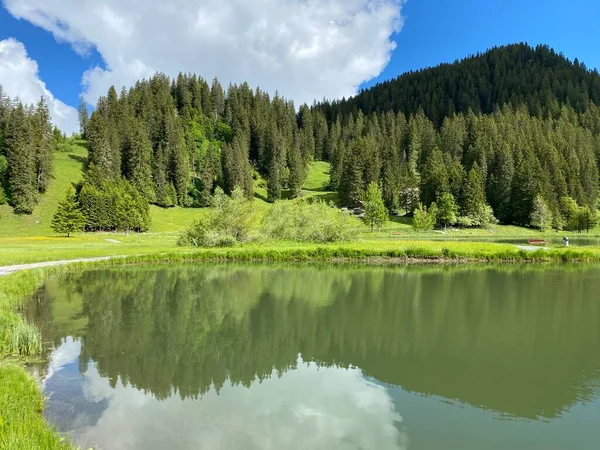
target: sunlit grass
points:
(22, 425)
(67, 170)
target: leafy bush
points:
(230, 220)
(307, 222)
(424, 219)
(481, 218)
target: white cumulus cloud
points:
(306, 49)
(19, 78)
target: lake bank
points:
(18, 251)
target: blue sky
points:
(119, 45)
(438, 31)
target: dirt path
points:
(7, 270)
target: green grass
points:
(172, 220)
(371, 251)
(22, 425)
(67, 170)
(317, 178)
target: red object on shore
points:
(536, 242)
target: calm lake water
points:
(311, 357)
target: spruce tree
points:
(541, 217)
(68, 217)
(473, 198)
(42, 142)
(297, 170)
(21, 158)
(375, 214)
(138, 161)
(83, 114)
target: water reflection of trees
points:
(524, 342)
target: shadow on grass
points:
(326, 197)
(80, 159)
(261, 197)
(403, 220)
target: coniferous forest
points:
(511, 135)
(27, 140)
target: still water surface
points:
(310, 357)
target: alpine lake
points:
(287, 356)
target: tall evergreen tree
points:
(21, 158)
(68, 217)
(83, 114)
(375, 214)
(42, 141)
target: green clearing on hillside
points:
(67, 170)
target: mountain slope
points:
(517, 74)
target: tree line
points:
(177, 140)
(27, 140)
(475, 168)
(173, 142)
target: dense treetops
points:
(26, 143)
(481, 139)
(539, 78)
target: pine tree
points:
(541, 217)
(375, 211)
(217, 100)
(42, 141)
(137, 161)
(208, 176)
(473, 197)
(297, 170)
(21, 158)
(83, 117)
(68, 217)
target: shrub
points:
(423, 219)
(230, 220)
(481, 218)
(307, 222)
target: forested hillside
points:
(512, 135)
(538, 78)
(26, 144)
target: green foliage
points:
(26, 144)
(307, 222)
(68, 218)
(423, 218)
(447, 209)
(230, 220)
(515, 74)
(541, 216)
(568, 209)
(375, 214)
(482, 218)
(84, 116)
(112, 205)
(584, 219)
